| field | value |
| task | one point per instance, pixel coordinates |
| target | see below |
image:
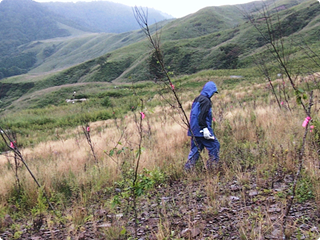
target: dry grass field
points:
(260, 145)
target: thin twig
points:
(298, 173)
(142, 19)
(86, 131)
(5, 136)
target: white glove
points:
(207, 134)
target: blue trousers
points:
(213, 147)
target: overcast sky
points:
(176, 8)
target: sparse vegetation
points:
(112, 163)
(258, 156)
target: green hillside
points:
(200, 41)
(212, 38)
(25, 25)
(57, 54)
(24, 21)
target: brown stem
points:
(142, 19)
(87, 134)
(298, 173)
(19, 155)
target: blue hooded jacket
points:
(201, 110)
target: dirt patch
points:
(196, 209)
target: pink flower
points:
(11, 145)
(142, 115)
(213, 119)
(281, 103)
(88, 129)
(311, 128)
(172, 86)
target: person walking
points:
(201, 128)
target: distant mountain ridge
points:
(24, 21)
(102, 16)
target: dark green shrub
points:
(106, 102)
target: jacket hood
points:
(209, 89)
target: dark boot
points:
(190, 164)
(212, 163)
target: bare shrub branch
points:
(8, 141)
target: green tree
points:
(229, 56)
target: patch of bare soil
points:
(206, 208)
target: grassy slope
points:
(189, 44)
(258, 152)
(79, 47)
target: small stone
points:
(272, 210)
(234, 198)
(190, 233)
(234, 188)
(314, 229)
(165, 198)
(253, 193)
(104, 225)
(186, 233)
(195, 232)
(304, 226)
(273, 218)
(154, 205)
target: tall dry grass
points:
(257, 140)
(165, 141)
(54, 162)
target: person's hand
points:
(207, 134)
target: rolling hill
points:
(212, 38)
(204, 39)
(26, 22)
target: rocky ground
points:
(202, 208)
